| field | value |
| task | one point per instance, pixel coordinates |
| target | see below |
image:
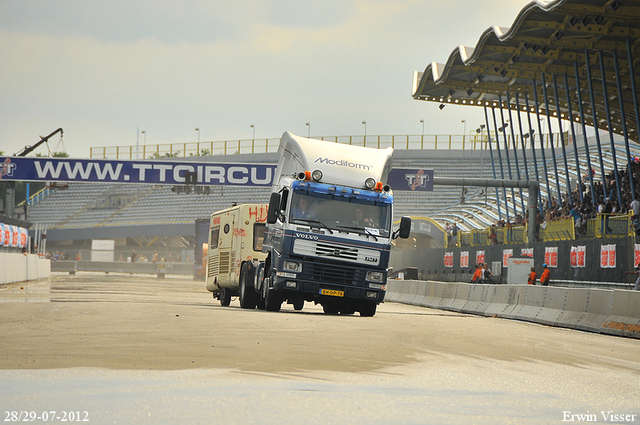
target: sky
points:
(106, 70)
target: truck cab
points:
(329, 228)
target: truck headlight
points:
(292, 266)
(375, 276)
(316, 175)
(370, 183)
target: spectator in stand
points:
(635, 206)
(493, 237)
(577, 219)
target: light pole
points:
(144, 148)
(422, 122)
(198, 130)
(254, 131)
(365, 133)
(465, 126)
(308, 129)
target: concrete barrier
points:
(575, 307)
(497, 300)
(462, 296)
(120, 267)
(17, 267)
(553, 305)
(614, 312)
(599, 302)
(624, 320)
(530, 300)
(448, 296)
(475, 299)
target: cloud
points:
(100, 70)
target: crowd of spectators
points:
(581, 205)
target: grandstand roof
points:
(548, 37)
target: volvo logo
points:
(306, 236)
(337, 252)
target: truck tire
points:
(368, 309)
(248, 295)
(298, 305)
(225, 297)
(272, 299)
(257, 285)
(331, 308)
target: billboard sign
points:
(126, 171)
(411, 179)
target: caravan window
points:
(258, 236)
(215, 233)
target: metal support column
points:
(515, 151)
(564, 151)
(624, 125)
(573, 136)
(533, 146)
(544, 159)
(504, 191)
(493, 165)
(506, 152)
(584, 133)
(610, 125)
(553, 150)
(595, 122)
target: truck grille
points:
(332, 273)
(311, 248)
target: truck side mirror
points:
(274, 208)
(405, 228)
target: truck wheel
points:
(298, 305)
(248, 296)
(258, 282)
(225, 297)
(368, 309)
(331, 308)
(272, 300)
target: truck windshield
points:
(341, 213)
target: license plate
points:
(332, 293)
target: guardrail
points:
(613, 312)
(230, 147)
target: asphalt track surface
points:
(132, 349)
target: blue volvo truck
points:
(329, 230)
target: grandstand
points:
(85, 210)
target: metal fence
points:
(230, 147)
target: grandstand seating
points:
(90, 205)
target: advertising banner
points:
(411, 179)
(126, 171)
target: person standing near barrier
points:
(532, 276)
(477, 275)
(546, 274)
(486, 273)
(637, 271)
